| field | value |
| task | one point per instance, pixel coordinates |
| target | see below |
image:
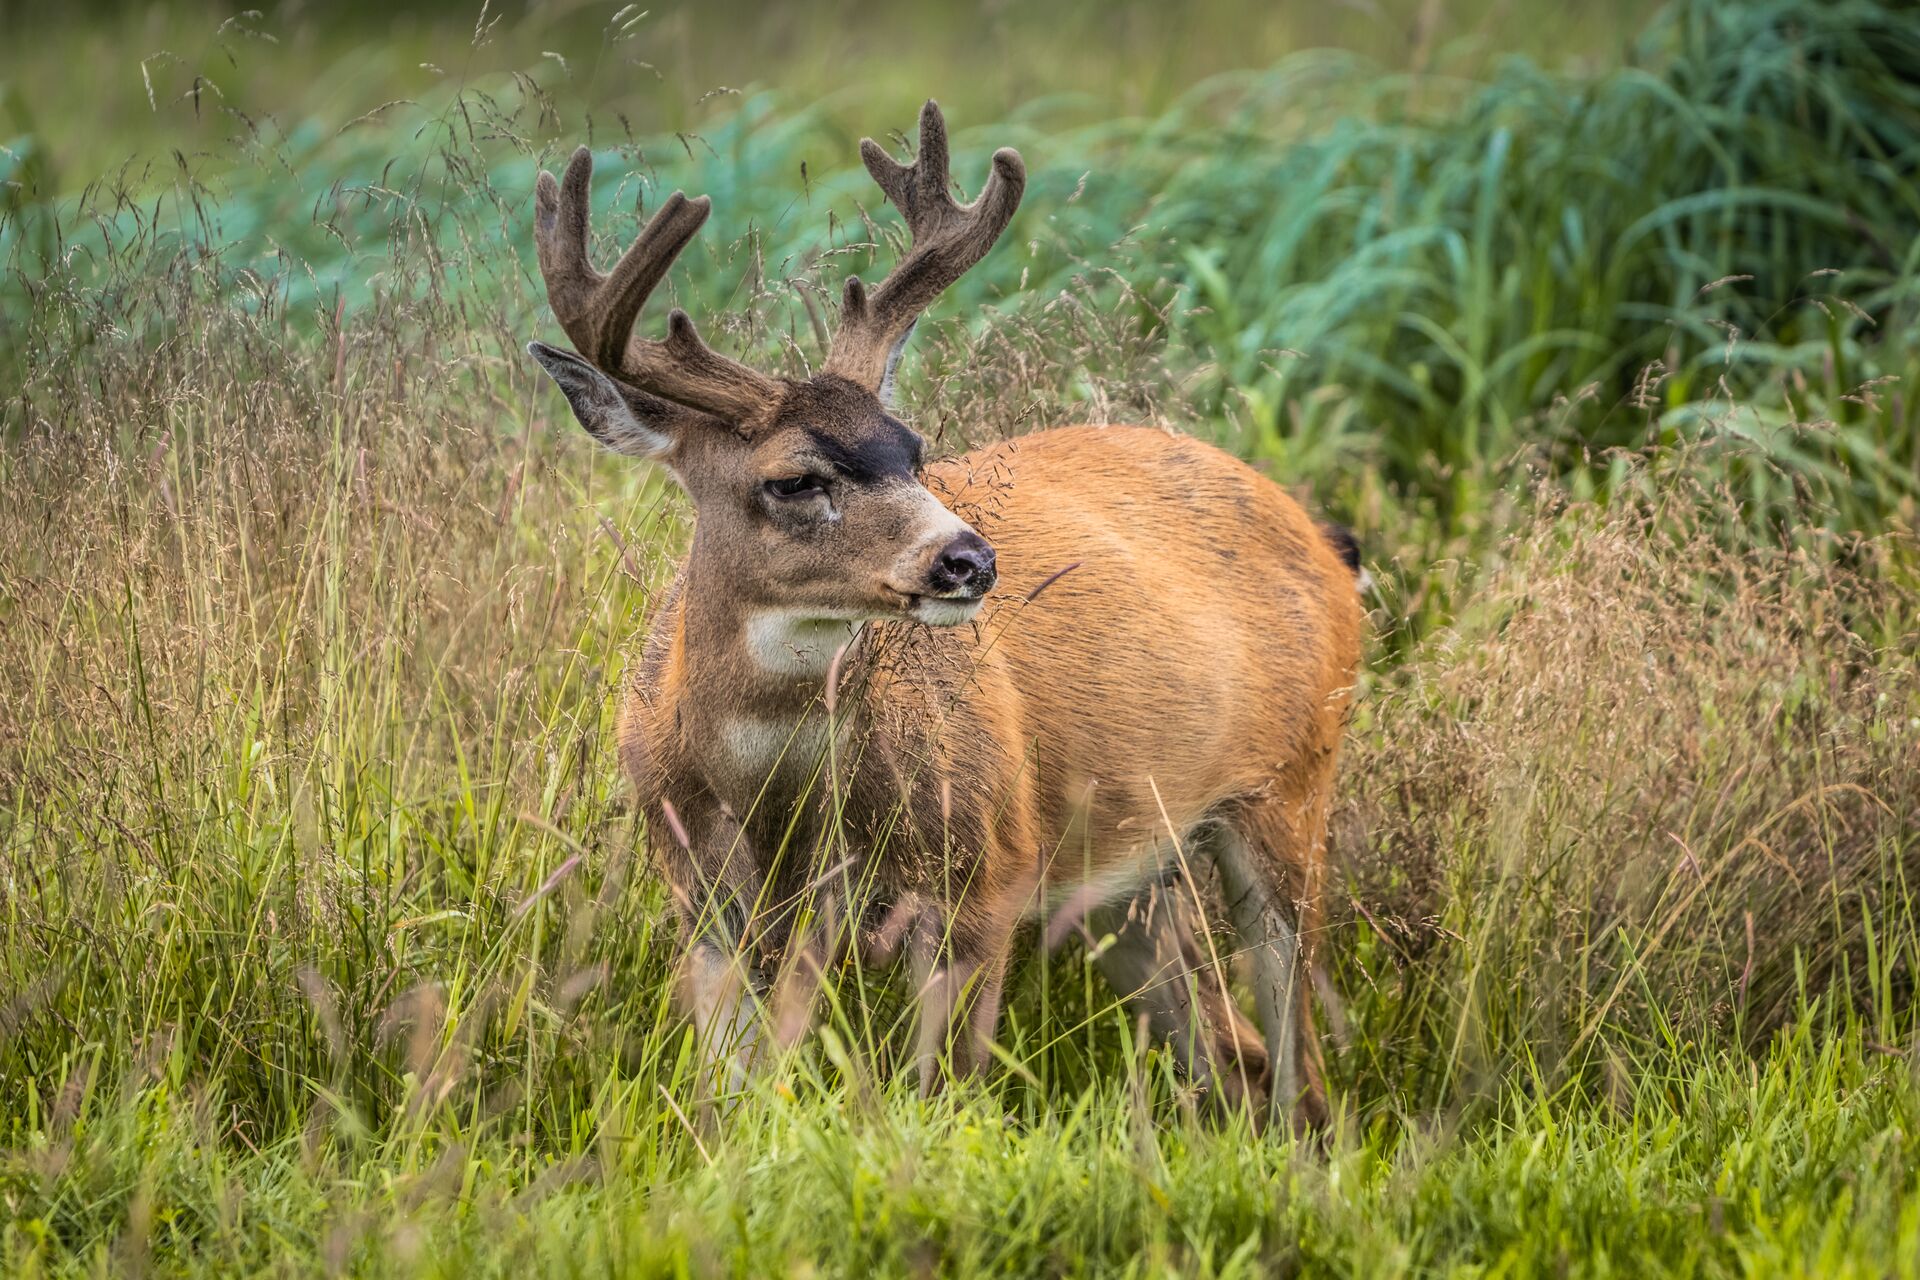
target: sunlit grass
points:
(327, 943)
(305, 972)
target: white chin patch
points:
(792, 644)
(945, 613)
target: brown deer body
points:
(926, 703)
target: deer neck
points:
(755, 679)
(771, 652)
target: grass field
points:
(326, 945)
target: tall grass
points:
(325, 944)
(324, 934)
(1539, 236)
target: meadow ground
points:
(325, 941)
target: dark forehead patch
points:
(850, 429)
(881, 449)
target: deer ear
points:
(898, 349)
(619, 417)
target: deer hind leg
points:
(1168, 976)
(1269, 865)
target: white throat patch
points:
(786, 643)
(756, 746)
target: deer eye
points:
(796, 486)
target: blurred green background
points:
(1394, 248)
(103, 83)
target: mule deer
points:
(1134, 651)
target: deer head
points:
(808, 494)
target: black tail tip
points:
(1345, 545)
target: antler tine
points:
(918, 190)
(948, 238)
(598, 311)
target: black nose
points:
(963, 565)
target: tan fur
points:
(848, 724)
(1200, 645)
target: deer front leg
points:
(722, 984)
(959, 989)
(722, 994)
